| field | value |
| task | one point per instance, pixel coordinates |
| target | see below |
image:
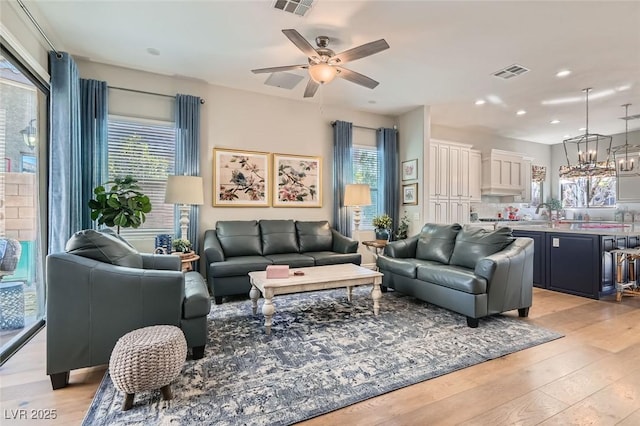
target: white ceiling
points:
(442, 54)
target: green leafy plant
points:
(181, 245)
(382, 222)
(123, 205)
(403, 228)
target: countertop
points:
(569, 226)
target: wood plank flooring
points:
(591, 376)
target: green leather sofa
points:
(235, 248)
(467, 270)
(101, 288)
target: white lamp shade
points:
(184, 190)
(357, 194)
(322, 73)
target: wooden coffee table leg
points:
(376, 295)
(349, 292)
(254, 294)
(268, 310)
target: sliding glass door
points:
(22, 117)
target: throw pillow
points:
(436, 242)
(472, 244)
(103, 247)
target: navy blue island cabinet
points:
(576, 263)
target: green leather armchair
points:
(101, 289)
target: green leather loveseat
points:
(235, 248)
(467, 270)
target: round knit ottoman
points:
(147, 358)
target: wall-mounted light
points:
(30, 135)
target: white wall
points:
(413, 136)
(238, 119)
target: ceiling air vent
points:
(284, 80)
(297, 7)
(510, 71)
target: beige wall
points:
(238, 119)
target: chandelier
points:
(623, 154)
(587, 148)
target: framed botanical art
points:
(241, 178)
(297, 181)
(410, 194)
(410, 169)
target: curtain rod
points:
(146, 93)
(333, 123)
(39, 28)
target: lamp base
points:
(356, 218)
(184, 221)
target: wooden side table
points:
(375, 247)
(187, 260)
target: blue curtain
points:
(65, 199)
(388, 176)
(94, 145)
(188, 155)
(342, 174)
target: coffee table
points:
(315, 278)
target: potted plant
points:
(403, 228)
(123, 205)
(382, 224)
(182, 245)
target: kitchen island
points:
(577, 261)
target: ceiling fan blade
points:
(357, 78)
(360, 51)
(300, 42)
(278, 69)
(311, 89)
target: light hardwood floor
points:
(589, 377)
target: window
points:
(145, 150)
(595, 191)
(365, 170)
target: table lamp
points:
(184, 190)
(357, 195)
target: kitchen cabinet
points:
(475, 176)
(628, 188)
(539, 255)
(503, 173)
(574, 263)
(526, 179)
(450, 182)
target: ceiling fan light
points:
(322, 73)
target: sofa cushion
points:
(405, 267)
(294, 260)
(454, 277)
(239, 265)
(197, 302)
(278, 236)
(333, 258)
(103, 247)
(239, 237)
(472, 244)
(436, 242)
(314, 236)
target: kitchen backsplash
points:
(627, 212)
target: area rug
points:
(323, 354)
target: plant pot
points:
(382, 235)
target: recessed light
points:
(153, 51)
(521, 112)
(566, 136)
(582, 129)
(555, 121)
(563, 73)
(481, 102)
(372, 102)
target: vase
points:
(382, 234)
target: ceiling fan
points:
(325, 65)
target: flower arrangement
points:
(382, 222)
(182, 245)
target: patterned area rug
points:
(324, 353)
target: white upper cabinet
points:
(475, 175)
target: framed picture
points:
(410, 169)
(241, 178)
(297, 181)
(410, 194)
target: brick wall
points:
(18, 206)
